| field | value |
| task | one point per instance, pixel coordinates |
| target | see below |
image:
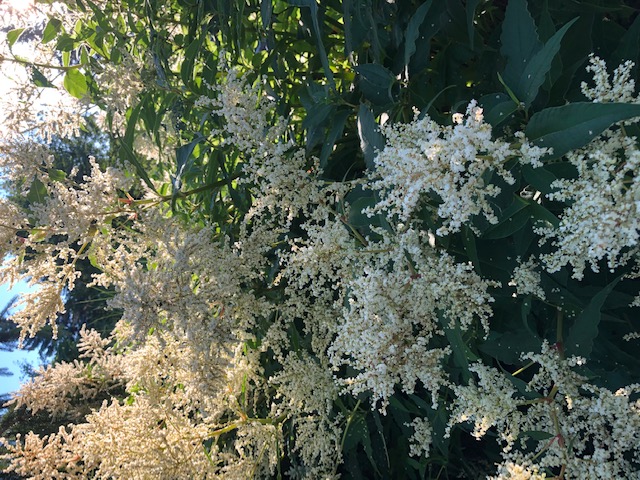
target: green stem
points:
(559, 335)
(21, 61)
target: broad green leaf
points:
(574, 125)
(512, 219)
(539, 178)
(356, 217)
(51, 30)
(37, 192)
(508, 226)
(629, 44)
(376, 82)
(14, 35)
(190, 57)
(337, 128)
(497, 107)
(461, 352)
(75, 83)
(507, 347)
(126, 143)
(546, 28)
(314, 122)
(371, 140)
(519, 40)
(183, 156)
(413, 30)
(266, 10)
(358, 434)
(65, 44)
(537, 68)
(540, 213)
(56, 175)
(585, 327)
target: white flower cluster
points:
(58, 388)
(403, 298)
(420, 440)
(622, 89)
(452, 163)
(526, 279)
(602, 219)
(581, 429)
(70, 214)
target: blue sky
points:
(12, 360)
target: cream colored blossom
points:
(423, 158)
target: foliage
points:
(365, 233)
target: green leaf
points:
(75, 83)
(356, 217)
(358, 434)
(38, 78)
(537, 68)
(471, 6)
(573, 126)
(126, 144)
(519, 40)
(56, 175)
(376, 82)
(51, 30)
(507, 347)
(539, 178)
(314, 122)
(37, 192)
(183, 161)
(371, 140)
(266, 10)
(413, 30)
(190, 57)
(14, 35)
(461, 352)
(337, 128)
(540, 213)
(65, 43)
(629, 44)
(317, 33)
(470, 248)
(585, 327)
(497, 108)
(512, 219)
(537, 435)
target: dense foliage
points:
(357, 239)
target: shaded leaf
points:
(585, 327)
(376, 82)
(537, 68)
(497, 107)
(572, 126)
(39, 79)
(519, 40)
(413, 30)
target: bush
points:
(374, 240)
